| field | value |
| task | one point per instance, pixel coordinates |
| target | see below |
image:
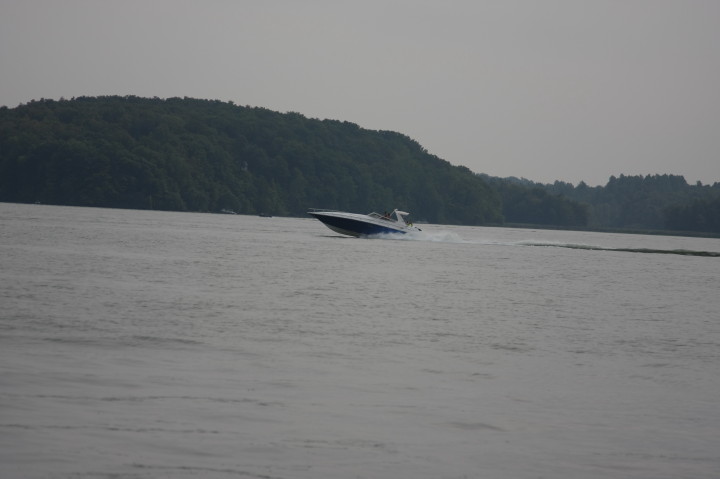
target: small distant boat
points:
(359, 225)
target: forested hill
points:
(203, 155)
(200, 155)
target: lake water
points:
(142, 344)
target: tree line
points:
(650, 202)
(206, 155)
(202, 155)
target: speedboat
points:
(355, 224)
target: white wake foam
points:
(434, 236)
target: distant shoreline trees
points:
(201, 155)
(205, 155)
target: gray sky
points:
(542, 89)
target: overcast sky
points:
(548, 90)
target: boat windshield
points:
(381, 217)
(396, 216)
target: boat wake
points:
(683, 252)
(434, 237)
(451, 237)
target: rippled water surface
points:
(138, 344)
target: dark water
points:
(147, 344)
